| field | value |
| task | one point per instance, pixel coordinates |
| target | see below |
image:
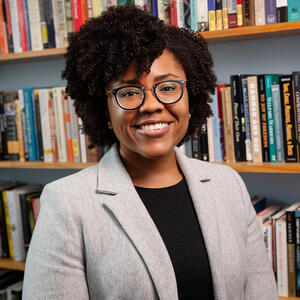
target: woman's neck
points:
(152, 173)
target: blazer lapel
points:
(201, 187)
(124, 205)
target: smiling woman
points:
(146, 222)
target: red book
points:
(3, 36)
(8, 26)
(77, 15)
(239, 12)
(173, 13)
(22, 25)
(68, 130)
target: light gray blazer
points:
(94, 239)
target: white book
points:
(15, 217)
(13, 9)
(160, 9)
(202, 15)
(260, 14)
(109, 3)
(89, 8)
(60, 23)
(267, 213)
(210, 139)
(180, 16)
(140, 3)
(100, 4)
(83, 154)
(60, 125)
(267, 234)
(35, 25)
(281, 257)
(44, 95)
(281, 3)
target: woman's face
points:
(133, 127)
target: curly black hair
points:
(102, 50)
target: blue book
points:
(277, 122)
(258, 203)
(193, 8)
(271, 11)
(26, 16)
(216, 126)
(154, 8)
(269, 81)
(293, 10)
(30, 125)
(247, 119)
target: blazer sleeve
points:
(55, 267)
(261, 283)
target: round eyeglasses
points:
(132, 96)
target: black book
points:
(195, 145)
(238, 114)
(204, 143)
(3, 142)
(282, 14)
(263, 117)
(38, 125)
(288, 118)
(296, 90)
(9, 278)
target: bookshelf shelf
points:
(238, 166)
(218, 36)
(8, 263)
(289, 298)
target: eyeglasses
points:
(132, 96)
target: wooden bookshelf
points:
(242, 167)
(8, 263)
(289, 298)
(218, 36)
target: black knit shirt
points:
(174, 215)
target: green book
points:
(269, 81)
(293, 10)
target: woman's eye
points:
(130, 93)
(167, 88)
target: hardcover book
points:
(224, 14)
(271, 13)
(202, 15)
(35, 24)
(232, 13)
(260, 13)
(293, 10)
(296, 88)
(219, 21)
(212, 15)
(282, 10)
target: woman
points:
(146, 222)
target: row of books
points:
(11, 284)
(281, 231)
(40, 24)
(41, 124)
(19, 208)
(256, 118)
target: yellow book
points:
(10, 244)
(212, 20)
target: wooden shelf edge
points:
(8, 263)
(242, 167)
(289, 298)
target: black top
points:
(174, 215)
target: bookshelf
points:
(216, 39)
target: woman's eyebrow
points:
(156, 78)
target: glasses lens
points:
(169, 91)
(130, 97)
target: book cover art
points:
(202, 15)
(271, 13)
(296, 90)
(211, 4)
(293, 10)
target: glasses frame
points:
(115, 91)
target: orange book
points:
(84, 11)
(68, 130)
(3, 36)
(53, 128)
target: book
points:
(210, 139)
(269, 81)
(260, 14)
(15, 218)
(23, 121)
(3, 142)
(22, 25)
(211, 5)
(288, 119)
(13, 10)
(69, 17)
(263, 118)
(297, 250)
(282, 10)
(296, 91)
(7, 19)
(167, 12)
(259, 203)
(3, 35)
(277, 122)
(293, 10)
(76, 12)
(60, 23)
(248, 13)
(180, 13)
(267, 235)
(21, 151)
(224, 14)
(173, 13)
(38, 129)
(27, 25)
(193, 14)
(202, 15)
(54, 144)
(266, 213)
(82, 139)
(232, 13)
(186, 14)
(239, 13)
(271, 13)
(68, 129)
(256, 142)
(219, 16)
(34, 25)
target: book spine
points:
(84, 11)
(219, 17)
(15, 219)
(281, 258)
(60, 23)
(167, 11)
(297, 252)
(246, 13)
(180, 13)
(160, 8)
(202, 15)
(293, 10)
(53, 135)
(224, 14)
(8, 26)
(248, 142)
(76, 12)
(282, 10)
(291, 232)
(82, 139)
(15, 26)
(196, 145)
(238, 118)
(69, 17)
(68, 129)
(277, 122)
(23, 120)
(25, 221)
(210, 140)
(260, 15)
(193, 8)
(288, 117)
(204, 143)
(263, 118)
(216, 130)
(95, 8)
(239, 13)
(19, 130)
(186, 14)
(3, 35)
(7, 222)
(221, 117)
(35, 24)
(50, 25)
(154, 7)
(232, 13)
(173, 11)
(3, 142)
(43, 18)
(37, 125)
(22, 26)
(27, 26)
(271, 13)
(211, 15)
(271, 134)
(4, 238)
(296, 89)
